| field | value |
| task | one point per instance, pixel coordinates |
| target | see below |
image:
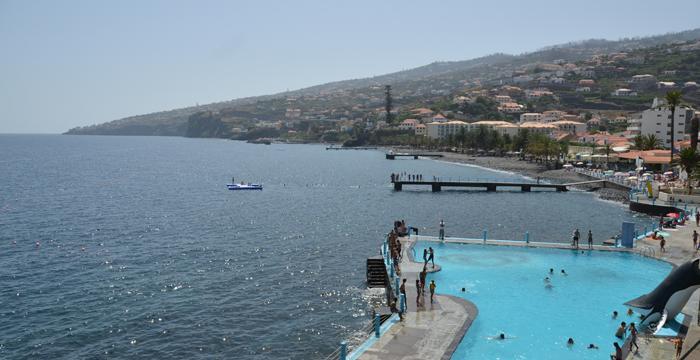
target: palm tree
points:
(688, 160)
(607, 148)
(673, 99)
(650, 142)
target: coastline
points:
(533, 170)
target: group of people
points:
(622, 333)
(395, 250)
(400, 228)
(428, 256)
(406, 177)
(420, 288)
(548, 280)
(576, 236)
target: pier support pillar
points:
(415, 157)
(525, 188)
(491, 187)
(397, 186)
(527, 237)
(436, 188)
(485, 234)
(561, 188)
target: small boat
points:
(242, 186)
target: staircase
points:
(376, 272)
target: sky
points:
(73, 63)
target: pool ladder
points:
(647, 251)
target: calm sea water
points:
(124, 247)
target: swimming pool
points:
(507, 286)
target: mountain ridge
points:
(174, 122)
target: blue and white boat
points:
(241, 186)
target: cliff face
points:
(206, 125)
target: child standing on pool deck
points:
(662, 243)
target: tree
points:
(607, 148)
(688, 160)
(647, 142)
(652, 142)
(694, 129)
(673, 99)
(388, 103)
(462, 138)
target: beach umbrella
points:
(632, 178)
(668, 173)
(619, 173)
(579, 163)
(673, 215)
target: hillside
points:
(357, 98)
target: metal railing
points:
(647, 251)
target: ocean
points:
(132, 247)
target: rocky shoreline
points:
(534, 170)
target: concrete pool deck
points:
(434, 332)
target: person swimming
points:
(614, 315)
(547, 280)
(593, 346)
(563, 272)
(501, 336)
(570, 342)
(551, 271)
(630, 312)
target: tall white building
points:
(657, 121)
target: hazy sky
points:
(73, 63)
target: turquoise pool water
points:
(507, 285)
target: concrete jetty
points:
(437, 185)
(393, 156)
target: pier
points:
(351, 148)
(437, 185)
(393, 156)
